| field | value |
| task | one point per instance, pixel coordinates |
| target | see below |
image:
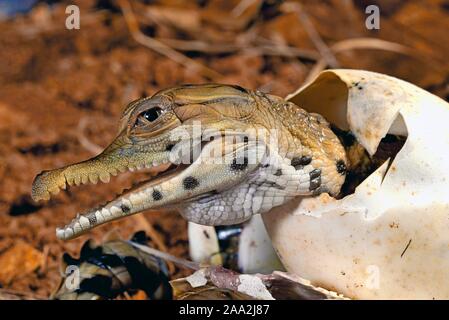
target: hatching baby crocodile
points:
(224, 153)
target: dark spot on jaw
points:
(190, 183)
(92, 218)
(239, 164)
(315, 184)
(125, 208)
(341, 167)
(315, 173)
(278, 172)
(315, 179)
(206, 234)
(157, 195)
(300, 162)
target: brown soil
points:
(54, 82)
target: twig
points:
(319, 66)
(359, 43)
(214, 48)
(287, 51)
(166, 256)
(46, 251)
(84, 141)
(313, 34)
(371, 43)
(160, 47)
(241, 7)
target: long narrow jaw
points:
(148, 133)
(173, 185)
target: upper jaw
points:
(119, 157)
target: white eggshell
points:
(390, 239)
(203, 242)
(255, 251)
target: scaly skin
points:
(265, 151)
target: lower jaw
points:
(82, 222)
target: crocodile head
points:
(223, 153)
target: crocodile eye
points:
(149, 115)
(152, 114)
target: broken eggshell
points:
(390, 239)
(245, 247)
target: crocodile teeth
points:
(77, 180)
(99, 216)
(77, 227)
(105, 212)
(105, 177)
(116, 212)
(93, 178)
(70, 181)
(68, 233)
(46, 196)
(55, 190)
(60, 233)
(84, 179)
(113, 172)
(84, 222)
